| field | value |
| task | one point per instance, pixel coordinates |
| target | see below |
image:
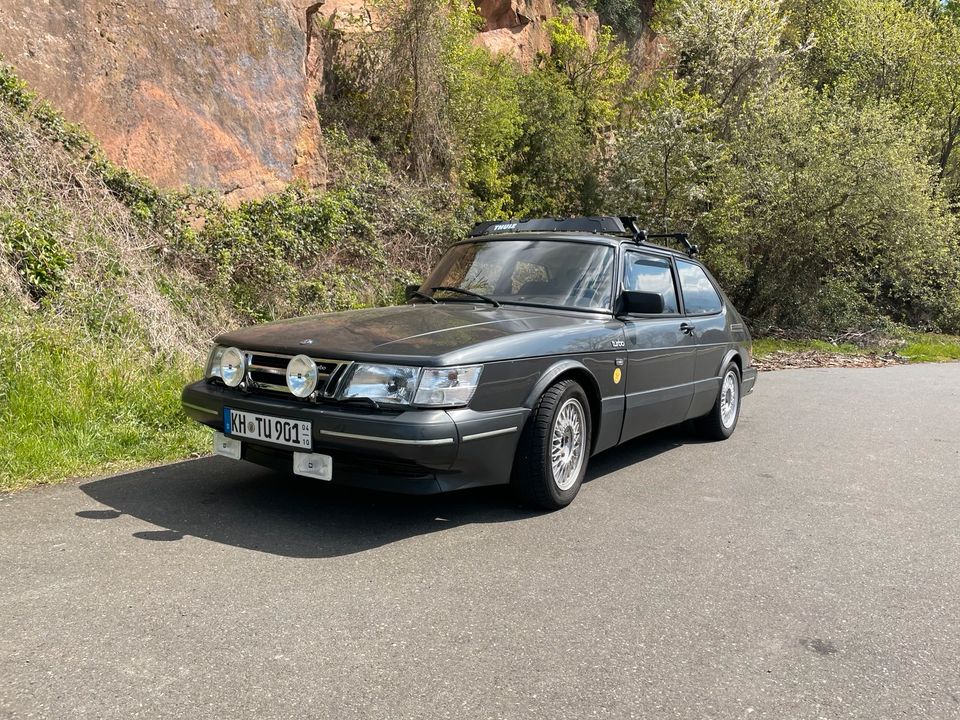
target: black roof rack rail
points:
(596, 225)
(603, 225)
(680, 237)
(641, 236)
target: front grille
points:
(267, 373)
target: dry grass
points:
(117, 269)
(90, 376)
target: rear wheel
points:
(721, 421)
(554, 448)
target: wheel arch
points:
(572, 370)
(734, 357)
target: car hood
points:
(420, 332)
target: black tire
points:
(712, 425)
(533, 477)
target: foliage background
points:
(809, 146)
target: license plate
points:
(279, 431)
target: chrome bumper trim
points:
(491, 433)
(391, 441)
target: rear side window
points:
(646, 273)
(699, 295)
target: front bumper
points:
(749, 380)
(412, 450)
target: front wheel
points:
(721, 421)
(554, 448)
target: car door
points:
(661, 354)
(706, 314)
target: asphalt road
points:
(807, 568)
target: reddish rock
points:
(212, 93)
(511, 27)
(518, 27)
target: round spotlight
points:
(233, 367)
(302, 376)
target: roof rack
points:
(603, 225)
(598, 225)
(682, 238)
(642, 236)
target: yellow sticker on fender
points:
(617, 375)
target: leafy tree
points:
(485, 114)
(837, 216)
(628, 17)
(810, 181)
(552, 156)
(661, 165)
(597, 72)
(907, 53)
(571, 103)
(727, 48)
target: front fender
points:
(606, 404)
(553, 372)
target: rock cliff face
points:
(518, 27)
(202, 92)
(210, 93)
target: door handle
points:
(687, 328)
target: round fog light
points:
(302, 376)
(233, 367)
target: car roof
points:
(578, 237)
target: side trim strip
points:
(491, 433)
(674, 387)
(393, 441)
(208, 411)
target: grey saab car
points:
(532, 346)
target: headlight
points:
(302, 376)
(233, 367)
(447, 387)
(382, 383)
(213, 361)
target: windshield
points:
(527, 272)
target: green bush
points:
(29, 239)
(552, 158)
(436, 105)
(263, 250)
(355, 244)
(807, 180)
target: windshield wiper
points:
(470, 293)
(417, 293)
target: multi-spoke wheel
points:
(552, 454)
(567, 451)
(721, 421)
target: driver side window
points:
(651, 274)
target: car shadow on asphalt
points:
(254, 508)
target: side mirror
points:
(641, 303)
(410, 290)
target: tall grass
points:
(71, 405)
